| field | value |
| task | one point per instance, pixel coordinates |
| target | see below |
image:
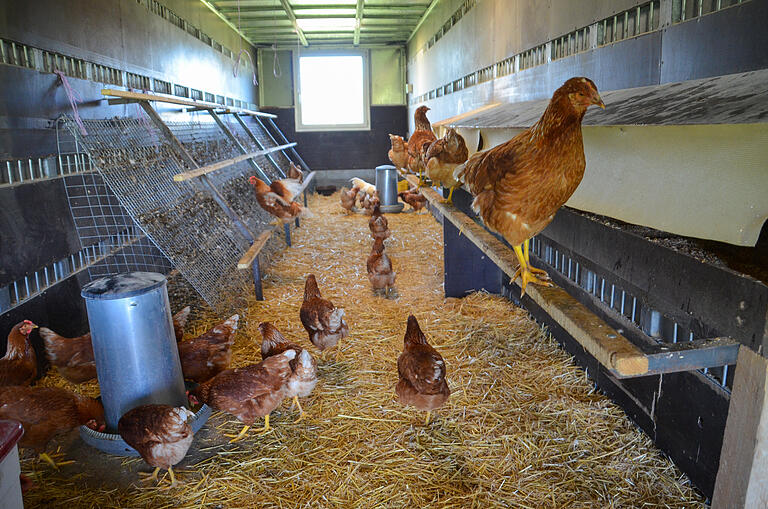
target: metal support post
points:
(287, 229)
(257, 279)
(282, 136)
(239, 146)
(259, 144)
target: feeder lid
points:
(10, 433)
(121, 286)
(385, 167)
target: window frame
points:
(365, 54)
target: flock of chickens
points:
(160, 433)
(517, 187)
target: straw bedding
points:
(523, 428)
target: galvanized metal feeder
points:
(386, 186)
(137, 360)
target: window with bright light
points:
(332, 92)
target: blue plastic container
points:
(137, 360)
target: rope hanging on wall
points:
(74, 98)
(243, 50)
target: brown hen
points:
(421, 135)
(73, 358)
(519, 185)
(379, 267)
(210, 353)
(303, 368)
(378, 224)
(180, 322)
(398, 154)
(323, 321)
(442, 158)
(249, 392)
(277, 199)
(348, 198)
(422, 372)
(47, 411)
(161, 434)
(19, 364)
(414, 198)
(295, 173)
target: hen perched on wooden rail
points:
(519, 185)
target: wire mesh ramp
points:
(202, 224)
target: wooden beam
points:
(247, 260)
(138, 96)
(292, 17)
(358, 21)
(422, 20)
(225, 20)
(607, 345)
(742, 479)
(204, 170)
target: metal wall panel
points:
(727, 42)
(36, 228)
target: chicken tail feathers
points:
(305, 212)
(311, 289)
(293, 186)
(413, 334)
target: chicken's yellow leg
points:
(173, 478)
(266, 428)
(525, 273)
(301, 410)
(528, 260)
(239, 436)
(426, 421)
(338, 350)
(49, 460)
(152, 477)
(449, 200)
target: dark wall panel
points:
(36, 228)
(734, 40)
(334, 150)
(627, 64)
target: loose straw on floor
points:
(524, 427)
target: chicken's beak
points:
(598, 101)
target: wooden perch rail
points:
(138, 96)
(247, 260)
(204, 170)
(609, 347)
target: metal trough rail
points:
(608, 346)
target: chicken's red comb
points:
(252, 179)
(28, 322)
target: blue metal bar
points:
(257, 279)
